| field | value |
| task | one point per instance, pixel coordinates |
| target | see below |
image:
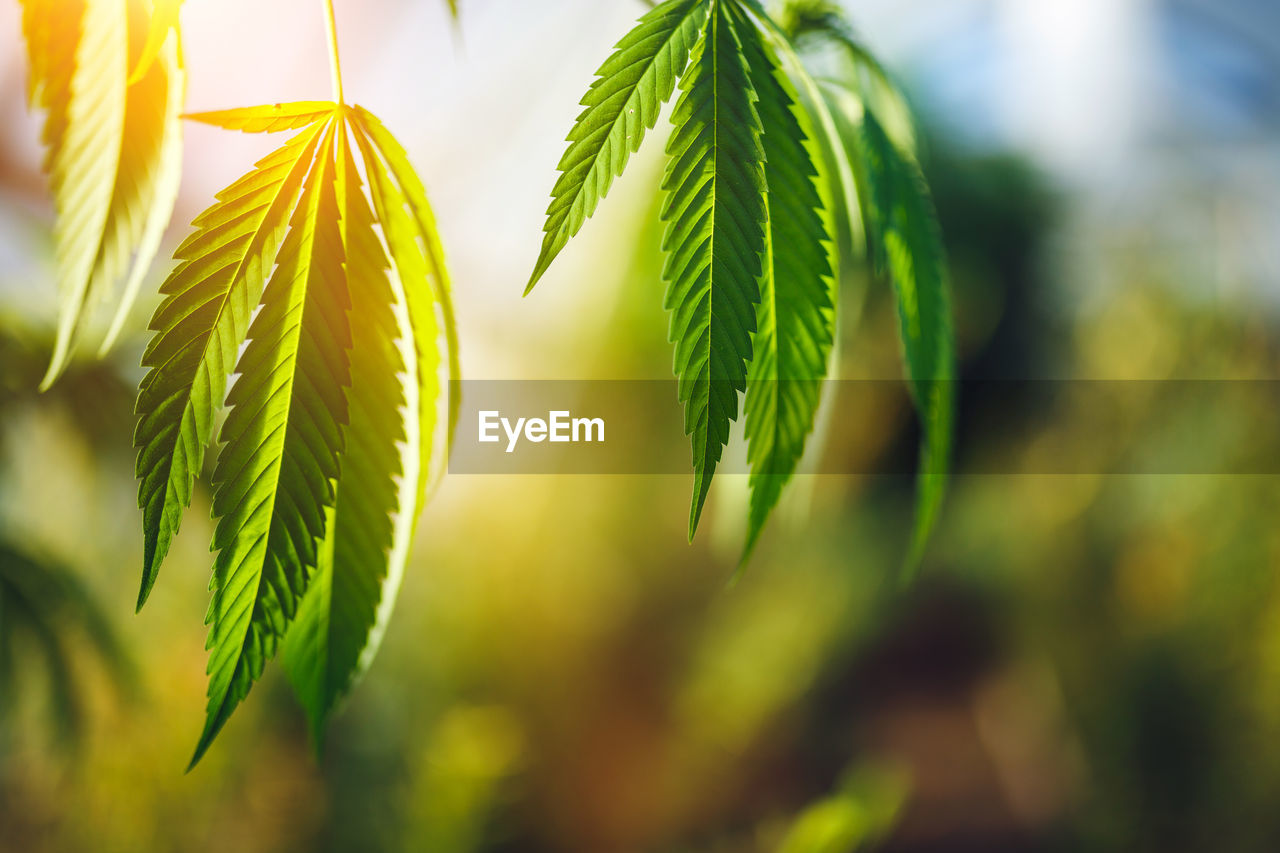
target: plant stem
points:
(335, 68)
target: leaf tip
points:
(57, 363)
(538, 272)
(144, 592)
(695, 513)
(748, 549)
(212, 726)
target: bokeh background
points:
(1087, 662)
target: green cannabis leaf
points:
(763, 162)
(345, 613)
(796, 318)
(621, 106)
(329, 438)
(715, 210)
(903, 228)
(112, 146)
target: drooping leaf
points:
(275, 478)
(346, 612)
(339, 624)
(765, 194)
(164, 177)
(715, 213)
(903, 228)
(796, 316)
(111, 147)
(209, 299)
(837, 182)
(621, 105)
(410, 188)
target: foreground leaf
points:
(621, 105)
(342, 616)
(209, 299)
(796, 317)
(410, 188)
(275, 477)
(714, 210)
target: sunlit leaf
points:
(275, 478)
(796, 316)
(111, 148)
(269, 118)
(715, 211)
(409, 186)
(163, 181)
(332, 428)
(164, 19)
(209, 299)
(764, 164)
(621, 105)
(344, 614)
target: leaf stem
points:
(335, 67)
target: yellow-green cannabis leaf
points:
(328, 304)
(111, 88)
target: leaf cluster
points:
(764, 163)
(318, 280)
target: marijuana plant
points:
(762, 161)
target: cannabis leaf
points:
(796, 317)
(199, 326)
(345, 613)
(902, 226)
(112, 147)
(621, 106)
(275, 477)
(330, 431)
(714, 210)
(370, 130)
(164, 18)
(763, 162)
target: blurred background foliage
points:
(1088, 662)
